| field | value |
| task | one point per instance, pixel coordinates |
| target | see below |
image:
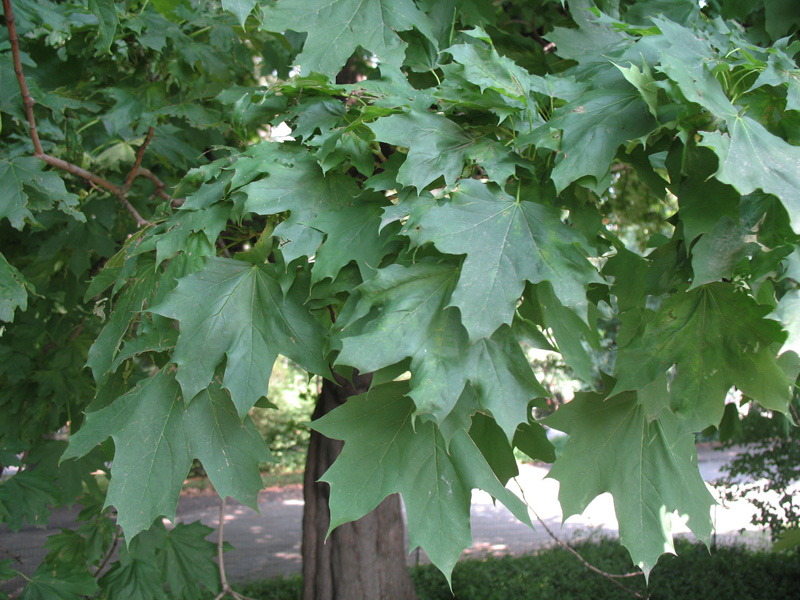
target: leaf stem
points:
(226, 588)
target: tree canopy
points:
(607, 178)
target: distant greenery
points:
(554, 574)
(285, 430)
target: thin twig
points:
(610, 576)
(226, 588)
(38, 151)
(11, 554)
(109, 554)
(27, 99)
(160, 185)
(139, 156)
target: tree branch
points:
(27, 99)
(139, 155)
(38, 151)
(610, 576)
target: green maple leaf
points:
(503, 380)
(63, 583)
(188, 560)
(436, 146)
(717, 337)
(240, 8)
(105, 349)
(506, 243)
(156, 436)
(648, 462)
(352, 233)
(106, 13)
(593, 128)
(23, 176)
(304, 190)
(238, 310)
(336, 27)
(750, 157)
(184, 223)
(384, 454)
(13, 290)
(411, 319)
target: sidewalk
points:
(268, 544)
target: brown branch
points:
(612, 577)
(160, 185)
(139, 156)
(226, 588)
(38, 151)
(27, 99)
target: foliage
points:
(765, 474)
(423, 223)
(734, 571)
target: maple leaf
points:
(336, 27)
(156, 435)
(404, 300)
(506, 242)
(13, 290)
(439, 147)
(648, 463)
(752, 158)
(717, 337)
(239, 310)
(593, 128)
(384, 454)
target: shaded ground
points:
(268, 544)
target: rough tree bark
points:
(362, 560)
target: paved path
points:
(268, 544)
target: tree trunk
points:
(362, 560)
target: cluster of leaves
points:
(425, 220)
(767, 472)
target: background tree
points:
(458, 194)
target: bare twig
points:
(226, 588)
(610, 576)
(160, 185)
(139, 155)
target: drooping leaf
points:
(411, 319)
(752, 158)
(383, 454)
(239, 310)
(648, 464)
(156, 436)
(106, 13)
(716, 337)
(506, 242)
(593, 128)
